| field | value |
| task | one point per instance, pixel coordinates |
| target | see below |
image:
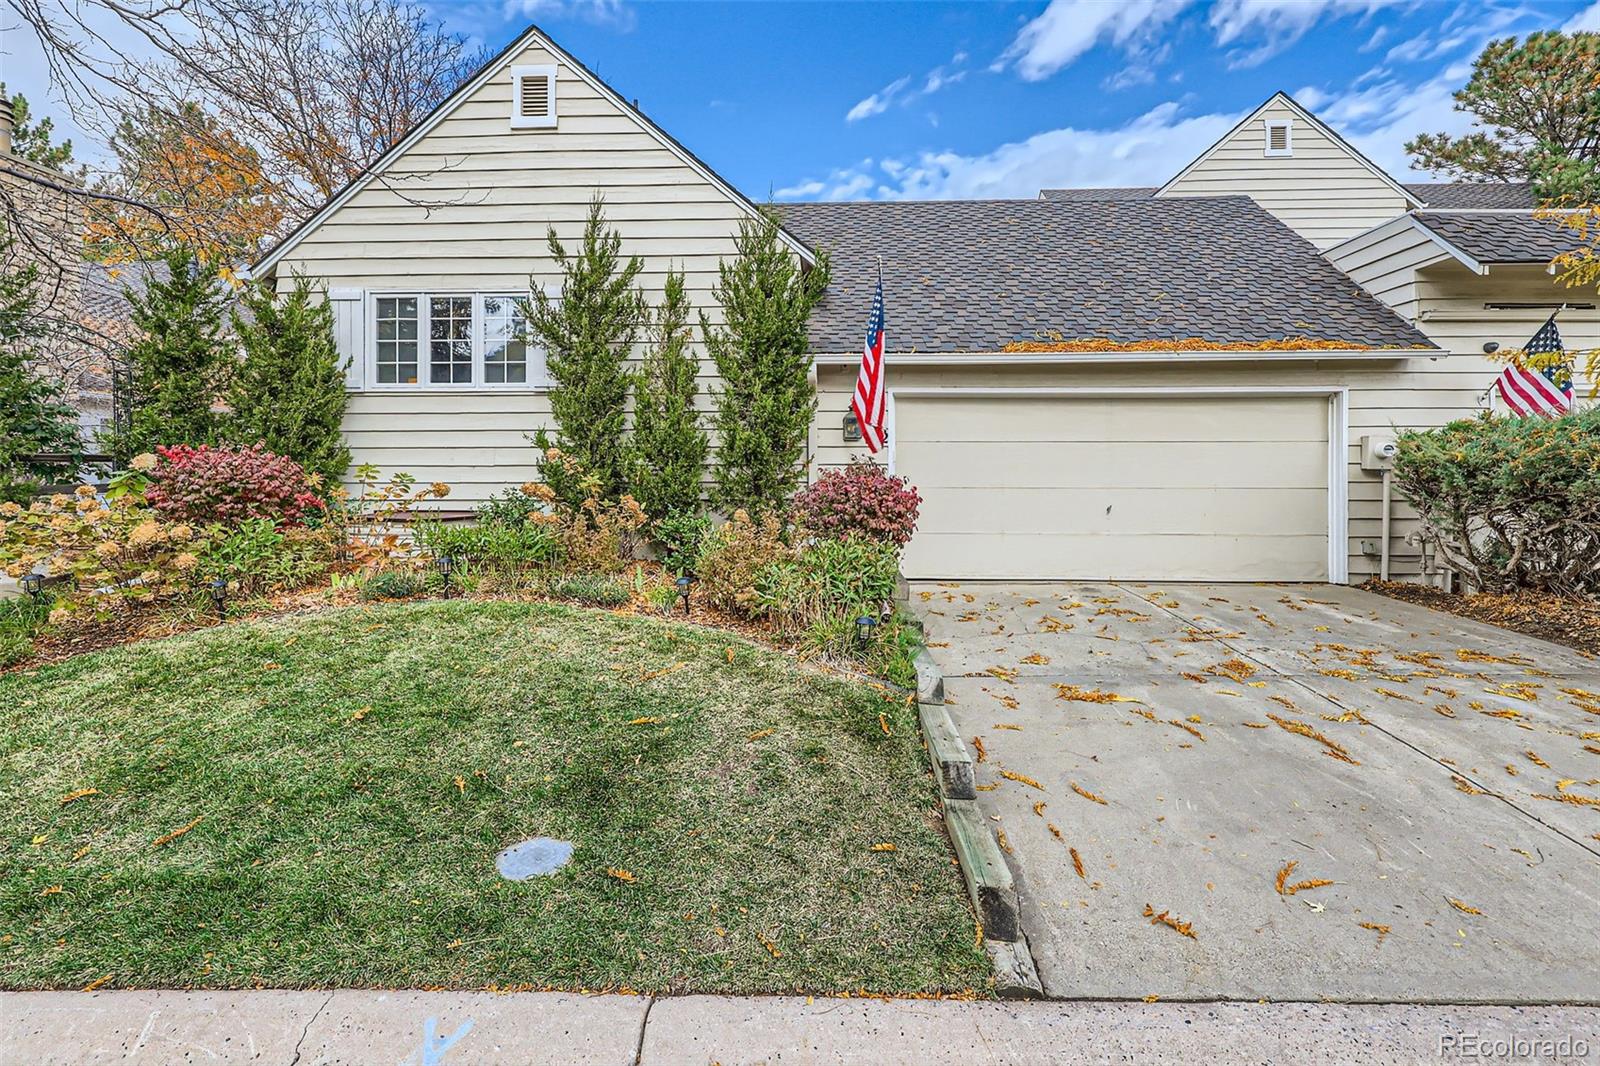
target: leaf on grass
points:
(885, 846)
(97, 984)
(1011, 775)
(271, 666)
(78, 794)
(1462, 907)
(1092, 695)
(1166, 919)
(1077, 863)
(663, 672)
(619, 874)
(758, 734)
(1086, 794)
(1330, 748)
(175, 834)
(772, 949)
(53, 890)
(648, 719)
(883, 724)
(729, 653)
(361, 713)
(80, 853)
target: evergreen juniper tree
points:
(766, 402)
(668, 448)
(178, 367)
(288, 389)
(587, 333)
(33, 417)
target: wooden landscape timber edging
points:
(989, 882)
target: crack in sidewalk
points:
(638, 1051)
(312, 1021)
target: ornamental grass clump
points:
(227, 486)
(861, 500)
(1510, 503)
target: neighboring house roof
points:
(1125, 192)
(467, 88)
(104, 296)
(974, 275)
(1494, 237)
(1332, 134)
(1474, 194)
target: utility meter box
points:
(1377, 453)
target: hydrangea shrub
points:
(227, 485)
(862, 499)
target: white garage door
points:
(1217, 488)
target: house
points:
(1165, 383)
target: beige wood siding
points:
(1160, 487)
(1322, 191)
(466, 209)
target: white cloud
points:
(1069, 28)
(1587, 19)
(1280, 23)
(900, 91)
(1144, 151)
(878, 102)
(1380, 118)
(615, 13)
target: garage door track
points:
(1281, 791)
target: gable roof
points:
(1474, 194)
(1321, 126)
(532, 35)
(1477, 238)
(973, 275)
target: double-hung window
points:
(452, 340)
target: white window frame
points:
(538, 372)
(519, 121)
(1287, 126)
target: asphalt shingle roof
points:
(1495, 238)
(1473, 194)
(973, 275)
(1124, 192)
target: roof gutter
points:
(914, 358)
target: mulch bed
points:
(1562, 620)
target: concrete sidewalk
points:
(482, 1029)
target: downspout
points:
(1383, 550)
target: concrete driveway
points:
(1189, 742)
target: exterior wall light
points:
(852, 427)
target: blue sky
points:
(930, 100)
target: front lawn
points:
(318, 800)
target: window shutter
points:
(350, 334)
(533, 97)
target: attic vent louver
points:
(533, 97)
(1279, 137)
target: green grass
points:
(335, 852)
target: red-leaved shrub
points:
(860, 499)
(228, 485)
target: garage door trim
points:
(1338, 435)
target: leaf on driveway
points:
(1010, 702)
(1286, 889)
(1463, 785)
(1234, 669)
(1444, 710)
(1090, 695)
(1198, 679)
(1568, 797)
(1004, 674)
(1051, 624)
(977, 745)
(1381, 930)
(1331, 749)
(1468, 656)
(1462, 907)
(1533, 757)
(1077, 862)
(1166, 919)
(1011, 775)
(1086, 794)
(1187, 728)
(1036, 659)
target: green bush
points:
(680, 535)
(491, 543)
(826, 581)
(1509, 502)
(508, 507)
(394, 585)
(598, 589)
(260, 558)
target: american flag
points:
(868, 401)
(1544, 391)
